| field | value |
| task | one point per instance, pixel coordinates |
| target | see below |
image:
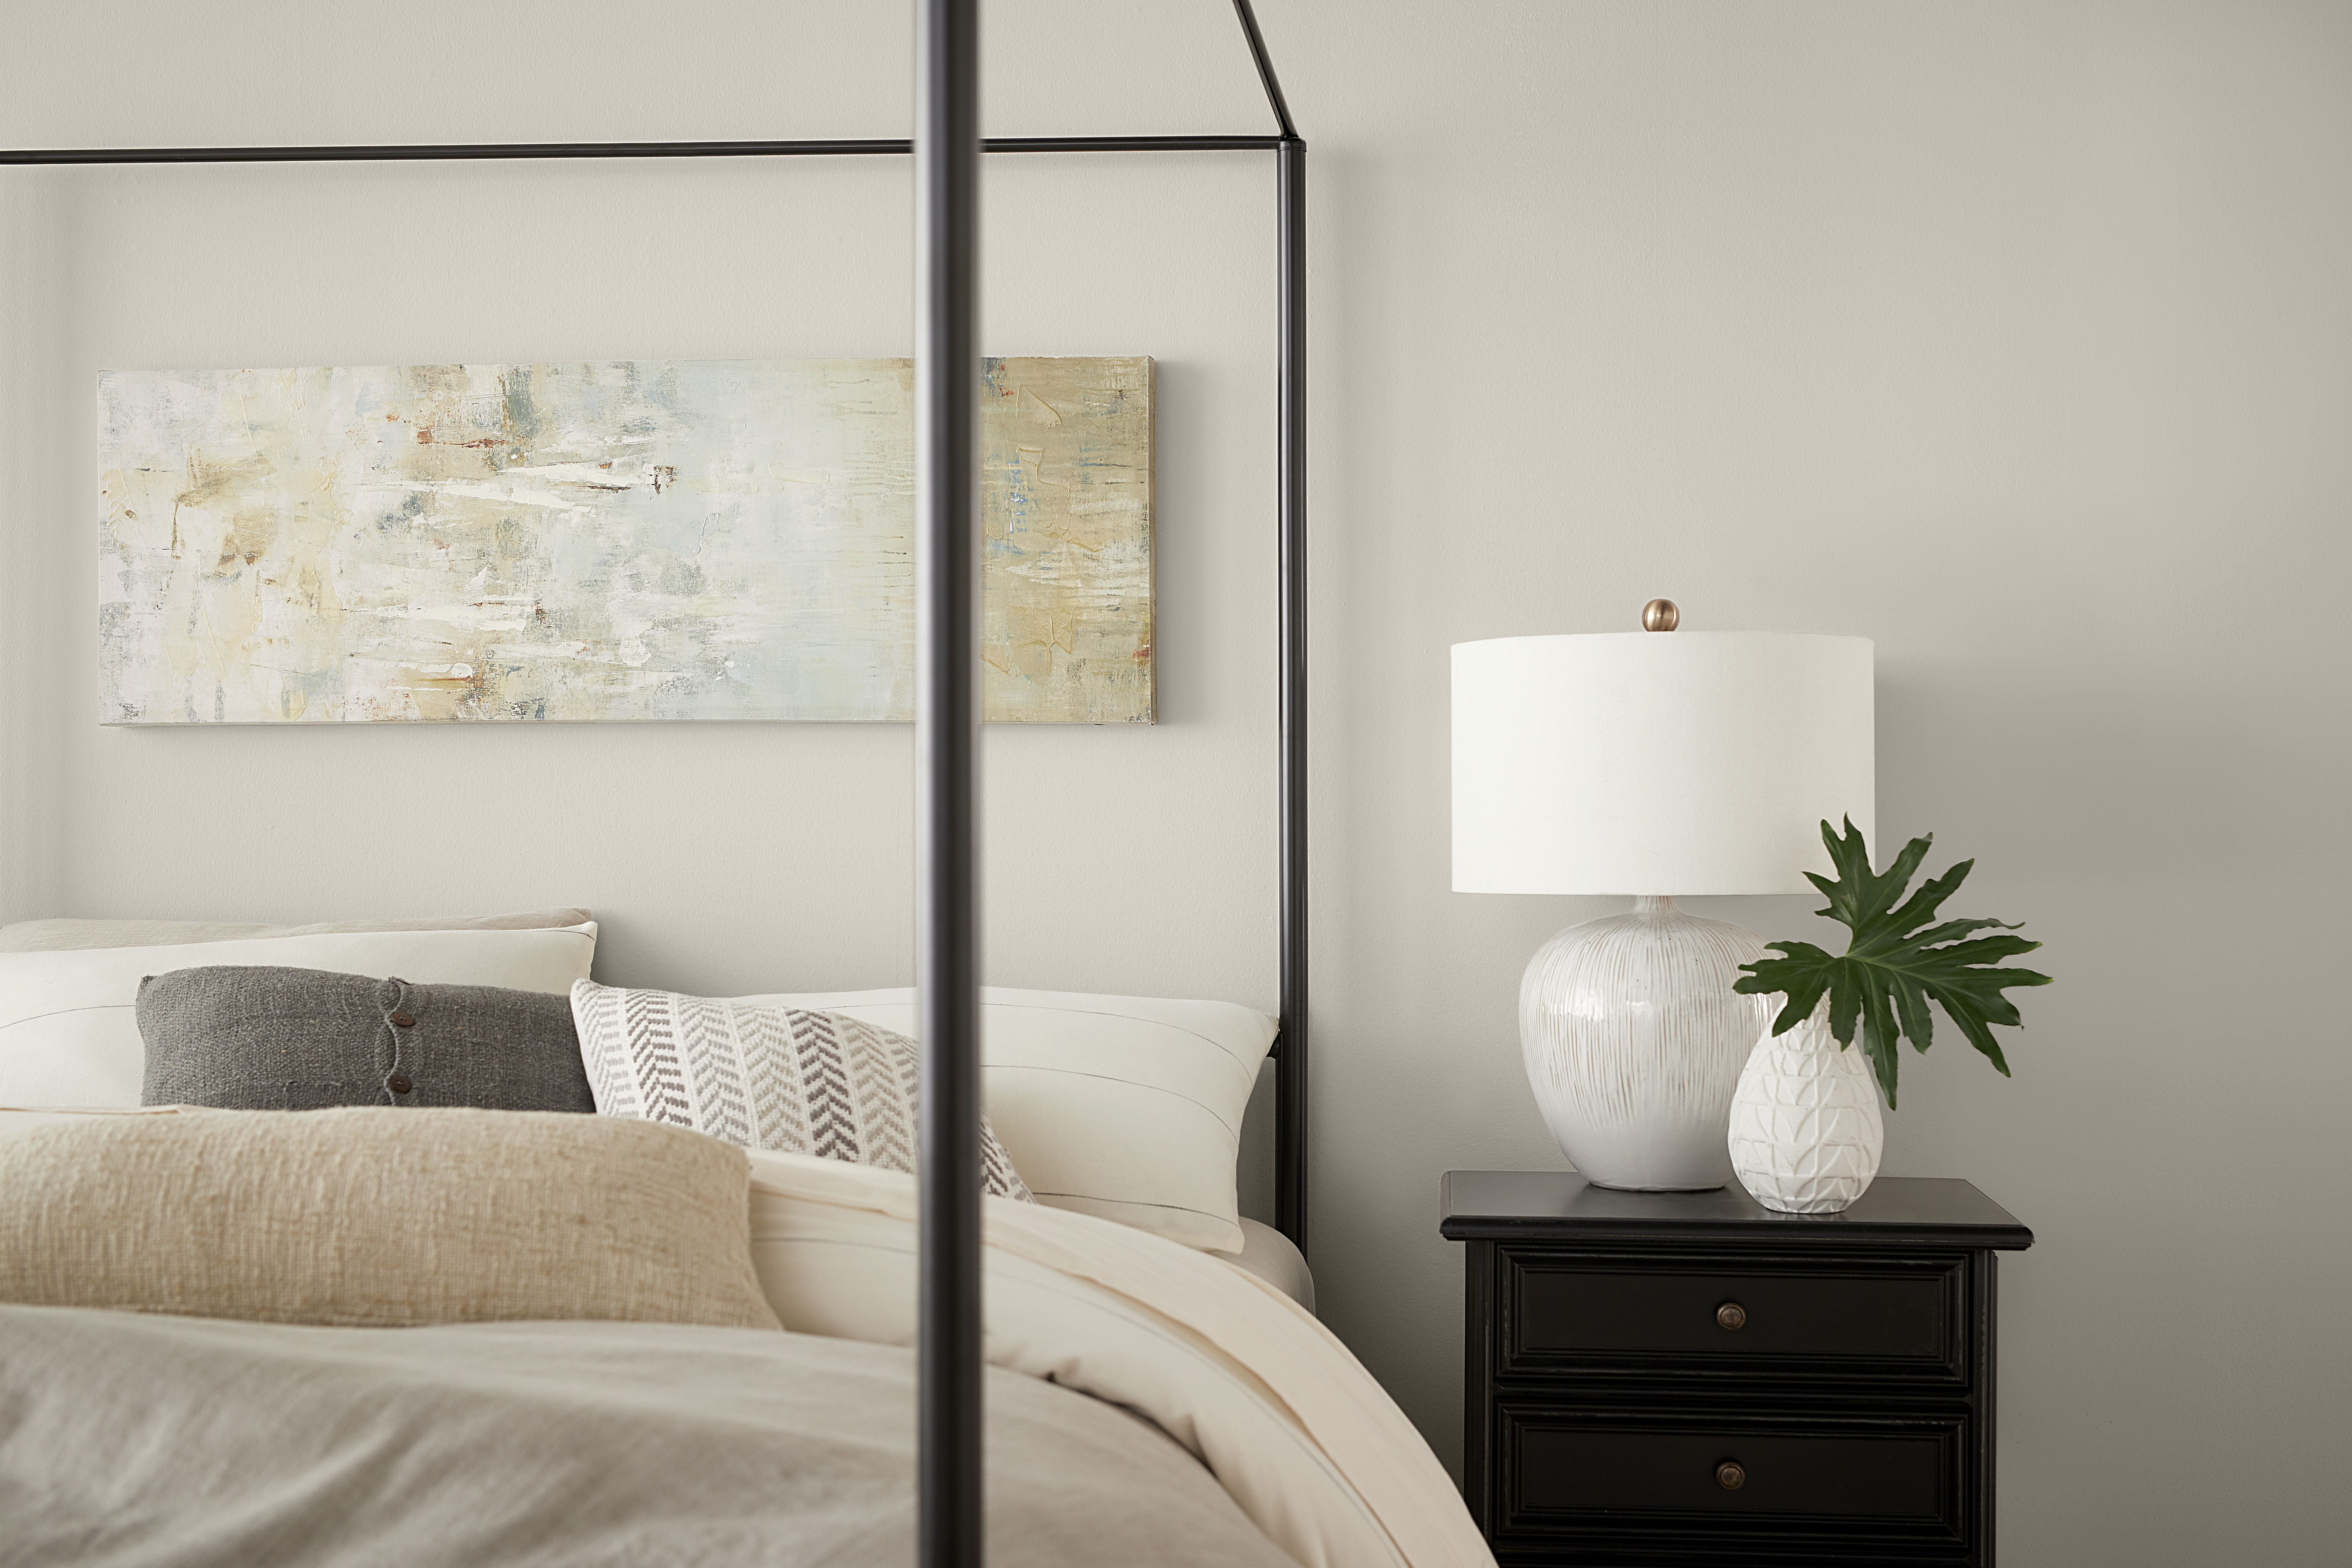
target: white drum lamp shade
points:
(1658, 762)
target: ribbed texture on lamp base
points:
(1806, 1134)
(1634, 1041)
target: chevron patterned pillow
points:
(765, 1078)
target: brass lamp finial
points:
(1661, 615)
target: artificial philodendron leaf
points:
(1891, 968)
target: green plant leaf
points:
(1892, 968)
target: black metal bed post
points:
(1290, 1059)
(1290, 1068)
(947, 788)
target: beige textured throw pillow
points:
(372, 1217)
(766, 1077)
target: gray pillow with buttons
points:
(247, 1037)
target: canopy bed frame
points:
(945, 149)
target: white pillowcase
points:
(70, 936)
(1126, 1107)
(822, 1084)
(68, 1035)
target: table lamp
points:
(1652, 763)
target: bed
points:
(186, 1379)
(1158, 1387)
(1146, 1401)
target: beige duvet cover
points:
(129, 1439)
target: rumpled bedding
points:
(135, 1441)
(1297, 1431)
(1147, 1404)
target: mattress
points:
(1274, 1258)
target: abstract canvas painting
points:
(609, 540)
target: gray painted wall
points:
(2013, 336)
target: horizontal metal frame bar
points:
(42, 157)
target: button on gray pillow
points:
(254, 1038)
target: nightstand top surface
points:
(1561, 1205)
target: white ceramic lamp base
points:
(1634, 1041)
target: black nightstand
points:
(1688, 1377)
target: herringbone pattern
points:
(777, 1098)
(651, 1046)
(609, 1080)
(714, 1068)
(767, 1078)
(875, 1076)
(831, 1131)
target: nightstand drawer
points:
(1830, 1481)
(1862, 1316)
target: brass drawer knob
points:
(1729, 1475)
(1731, 1315)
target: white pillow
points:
(822, 1084)
(69, 1034)
(68, 935)
(1126, 1107)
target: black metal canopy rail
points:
(458, 153)
(946, 828)
(1290, 1047)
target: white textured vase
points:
(1806, 1134)
(1634, 1040)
